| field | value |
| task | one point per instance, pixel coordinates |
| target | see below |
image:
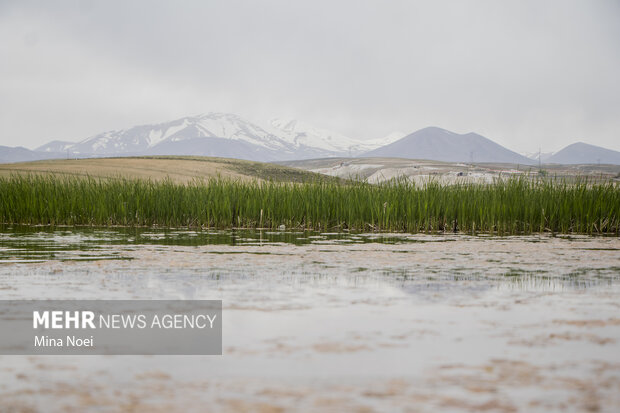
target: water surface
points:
(333, 321)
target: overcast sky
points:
(523, 73)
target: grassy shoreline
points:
(511, 206)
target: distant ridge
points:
(19, 154)
(442, 145)
(230, 136)
(583, 153)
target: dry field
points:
(180, 169)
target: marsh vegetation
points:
(508, 206)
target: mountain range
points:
(228, 135)
(217, 134)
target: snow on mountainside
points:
(212, 125)
(55, 146)
(386, 140)
(303, 134)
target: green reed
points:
(506, 206)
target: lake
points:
(332, 321)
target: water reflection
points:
(36, 243)
(504, 315)
(457, 283)
(417, 264)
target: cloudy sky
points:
(526, 74)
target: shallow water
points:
(333, 322)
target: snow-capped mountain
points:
(212, 125)
(216, 134)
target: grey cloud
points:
(524, 73)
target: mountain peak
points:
(433, 129)
(443, 145)
(584, 153)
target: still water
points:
(332, 321)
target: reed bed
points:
(507, 206)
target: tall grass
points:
(510, 206)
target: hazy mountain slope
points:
(442, 145)
(220, 147)
(584, 153)
(392, 137)
(303, 135)
(20, 154)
